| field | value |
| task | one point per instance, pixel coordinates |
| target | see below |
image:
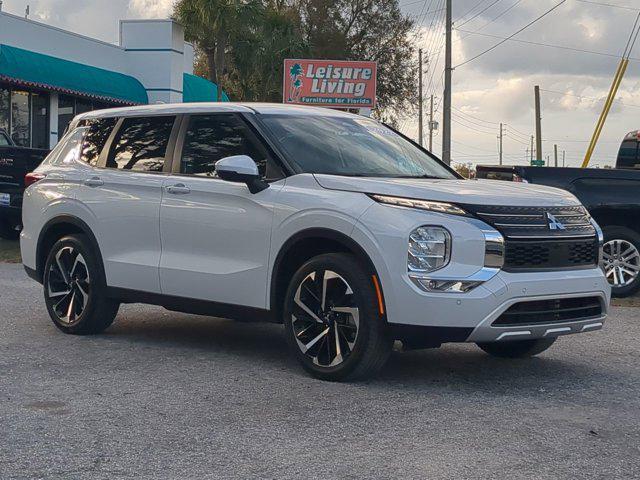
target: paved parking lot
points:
(166, 395)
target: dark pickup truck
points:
(612, 197)
(15, 163)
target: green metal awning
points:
(32, 69)
(198, 89)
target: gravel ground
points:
(166, 395)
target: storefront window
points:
(40, 120)
(66, 112)
(4, 109)
(20, 127)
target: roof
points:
(198, 89)
(213, 107)
(32, 69)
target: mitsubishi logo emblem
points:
(553, 222)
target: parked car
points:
(15, 162)
(629, 153)
(612, 197)
(343, 230)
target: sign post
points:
(330, 83)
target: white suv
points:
(333, 224)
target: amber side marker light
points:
(378, 294)
(32, 177)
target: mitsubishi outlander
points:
(332, 224)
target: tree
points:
(247, 42)
(211, 24)
(258, 53)
(374, 30)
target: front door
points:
(216, 234)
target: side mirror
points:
(241, 168)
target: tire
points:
(517, 348)
(617, 241)
(364, 343)
(7, 231)
(76, 299)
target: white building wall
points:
(152, 51)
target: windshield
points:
(351, 146)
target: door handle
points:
(94, 182)
(178, 189)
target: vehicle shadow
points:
(563, 369)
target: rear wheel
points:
(332, 320)
(517, 348)
(621, 260)
(74, 288)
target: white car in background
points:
(335, 225)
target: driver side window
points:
(210, 138)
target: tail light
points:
(32, 177)
(519, 179)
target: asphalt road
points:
(166, 395)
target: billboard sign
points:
(330, 83)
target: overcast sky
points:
(497, 87)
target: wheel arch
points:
(301, 247)
(57, 228)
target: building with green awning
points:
(48, 75)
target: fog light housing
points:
(429, 249)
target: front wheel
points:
(333, 321)
(74, 288)
(517, 348)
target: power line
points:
(480, 12)
(475, 118)
(540, 44)
(512, 35)
(609, 5)
(589, 98)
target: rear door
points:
(216, 234)
(123, 193)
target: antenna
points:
(26, 12)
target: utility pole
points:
(420, 125)
(500, 138)
(538, 124)
(431, 125)
(555, 153)
(563, 158)
(446, 113)
(532, 149)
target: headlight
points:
(439, 207)
(429, 249)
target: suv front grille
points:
(550, 311)
(531, 243)
(532, 222)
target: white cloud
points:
(151, 8)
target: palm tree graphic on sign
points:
(296, 82)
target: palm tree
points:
(211, 24)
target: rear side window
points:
(210, 138)
(68, 149)
(96, 136)
(628, 155)
(4, 140)
(141, 144)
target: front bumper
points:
(475, 312)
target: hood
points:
(477, 192)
